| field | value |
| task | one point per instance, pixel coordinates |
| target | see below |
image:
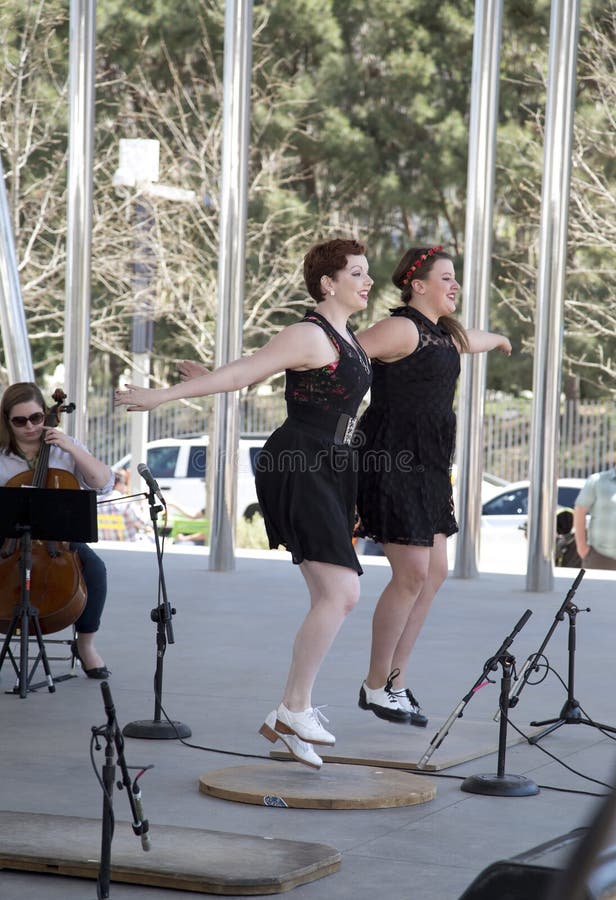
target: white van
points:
(178, 465)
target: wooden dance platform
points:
(370, 742)
(187, 859)
(332, 787)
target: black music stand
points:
(46, 514)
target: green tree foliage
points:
(359, 125)
(33, 117)
(590, 312)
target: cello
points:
(58, 588)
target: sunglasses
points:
(22, 421)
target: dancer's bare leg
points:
(409, 571)
(437, 573)
(417, 574)
(334, 592)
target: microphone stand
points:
(162, 614)
(532, 663)
(501, 785)
(113, 739)
(490, 666)
(571, 712)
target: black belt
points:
(338, 427)
(345, 429)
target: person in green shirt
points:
(596, 543)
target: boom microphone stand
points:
(155, 728)
(500, 784)
(571, 713)
(114, 740)
(532, 663)
(506, 785)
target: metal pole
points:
(79, 209)
(477, 271)
(139, 169)
(564, 26)
(12, 317)
(222, 455)
(144, 266)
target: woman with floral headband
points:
(406, 444)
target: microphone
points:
(108, 703)
(144, 826)
(151, 482)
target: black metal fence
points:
(587, 431)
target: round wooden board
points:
(332, 787)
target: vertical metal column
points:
(476, 282)
(142, 338)
(12, 317)
(564, 27)
(137, 173)
(79, 209)
(222, 453)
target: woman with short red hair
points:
(306, 473)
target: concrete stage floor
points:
(224, 673)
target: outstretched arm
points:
(389, 339)
(481, 341)
(297, 346)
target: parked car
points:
(179, 466)
(510, 506)
(491, 485)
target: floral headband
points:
(419, 263)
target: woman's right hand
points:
(503, 345)
(189, 369)
(138, 399)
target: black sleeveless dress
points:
(406, 441)
(306, 476)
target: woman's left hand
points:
(504, 346)
(57, 437)
(138, 399)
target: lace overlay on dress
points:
(337, 387)
(406, 441)
(308, 488)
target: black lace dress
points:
(306, 476)
(406, 442)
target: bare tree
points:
(184, 115)
(33, 145)
(590, 308)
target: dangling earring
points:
(332, 293)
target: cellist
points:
(22, 433)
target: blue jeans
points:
(95, 577)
